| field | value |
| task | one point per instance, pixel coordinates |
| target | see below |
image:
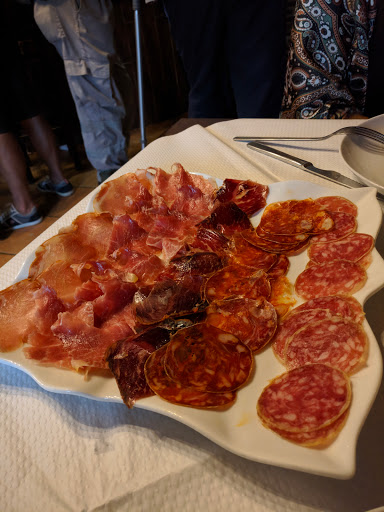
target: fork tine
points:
(368, 132)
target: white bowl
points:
(364, 156)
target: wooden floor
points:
(84, 182)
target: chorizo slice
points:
(237, 281)
(273, 246)
(294, 217)
(208, 359)
(344, 225)
(174, 392)
(254, 322)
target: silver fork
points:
(347, 130)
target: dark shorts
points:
(17, 100)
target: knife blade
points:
(307, 166)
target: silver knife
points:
(333, 176)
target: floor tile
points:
(19, 238)
(59, 206)
(4, 258)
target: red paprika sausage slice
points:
(344, 225)
(208, 359)
(252, 321)
(237, 281)
(174, 392)
(293, 217)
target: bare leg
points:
(13, 168)
(43, 140)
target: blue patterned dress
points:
(327, 67)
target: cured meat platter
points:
(238, 429)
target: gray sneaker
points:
(63, 189)
(12, 219)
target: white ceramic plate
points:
(364, 156)
(238, 429)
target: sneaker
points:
(63, 189)
(103, 175)
(12, 219)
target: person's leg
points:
(13, 169)
(197, 28)
(256, 48)
(101, 115)
(44, 142)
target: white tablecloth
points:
(66, 453)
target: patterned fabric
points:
(327, 67)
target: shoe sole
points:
(27, 224)
(61, 194)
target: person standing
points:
(233, 55)
(82, 33)
(19, 108)
(328, 61)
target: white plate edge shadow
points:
(240, 422)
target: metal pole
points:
(136, 8)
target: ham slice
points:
(247, 195)
(65, 247)
(34, 306)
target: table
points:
(68, 453)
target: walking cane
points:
(136, 9)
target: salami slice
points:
(337, 204)
(347, 307)
(208, 359)
(334, 341)
(335, 278)
(305, 399)
(351, 248)
(294, 217)
(237, 281)
(174, 392)
(254, 322)
(292, 323)
(344, 225)
(320, 438)
(366, 260)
